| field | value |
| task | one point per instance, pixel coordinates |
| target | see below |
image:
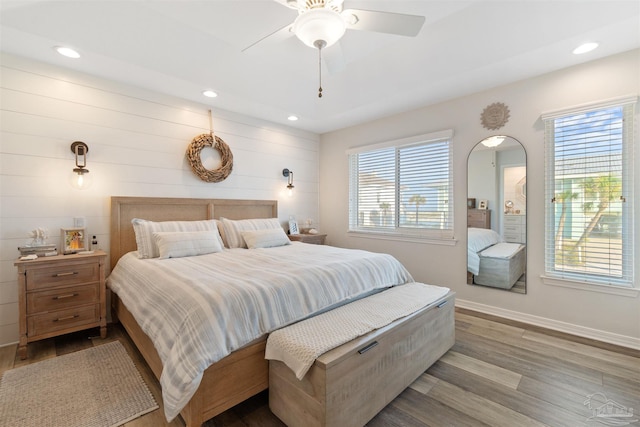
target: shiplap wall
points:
(137, 141)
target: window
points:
(589, 206)
(403, 188)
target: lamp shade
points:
(319, 24)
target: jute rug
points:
(97, 387)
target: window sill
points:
(583, 286)
(402, 238)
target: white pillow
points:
(233, 228)
(267, 238)
(177, 244)
(144, 229)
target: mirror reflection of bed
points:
(497, 215)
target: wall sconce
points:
(289, 174)
(80, 178)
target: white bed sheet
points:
(479, 239)
(199, 309)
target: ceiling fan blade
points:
(383, 22)
(277, 35)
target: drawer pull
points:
(71, 273)
(59, 319)
(65, 296)
(442, 304)
(368, 347)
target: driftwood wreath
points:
(193, 156)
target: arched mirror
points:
(497, 214)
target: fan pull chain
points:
(320, 44)
(320, 71)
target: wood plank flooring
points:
(499, 373)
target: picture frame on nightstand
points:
(73, 240)
(293, 227)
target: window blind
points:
(588, 192)
(403, 189)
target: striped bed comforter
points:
(199, 309)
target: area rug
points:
(97, 387)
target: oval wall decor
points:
(193, 156)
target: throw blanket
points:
(198, 309)
(299, 345)
(477, 240)
(501, 250)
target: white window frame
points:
(584, 280)
(442, 235)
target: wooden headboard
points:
(124, 209)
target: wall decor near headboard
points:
(226, 157)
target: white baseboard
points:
(556, 325)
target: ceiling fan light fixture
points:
(493, 141)
(319, 24)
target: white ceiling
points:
(182, 47)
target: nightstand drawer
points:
(60, 275)
(315, 239)
(61, 298)
(41, 324)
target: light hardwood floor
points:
(499, 373)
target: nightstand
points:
(61, 294)
(316, 239)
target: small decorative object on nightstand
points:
(316, 239)
(60, 294)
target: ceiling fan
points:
(321, 23)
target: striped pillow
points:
(144, 229)
(233, 229)
(178, 244)
(267, 238)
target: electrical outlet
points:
(78, 222)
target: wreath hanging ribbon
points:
(209, 140)
(193, 156)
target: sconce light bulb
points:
(81, 179)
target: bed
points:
(492, 262)
(230, 378)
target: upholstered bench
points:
(349, 384)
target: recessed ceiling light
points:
(292, 118)
(584, 48)
(67, 51)
(209, 94)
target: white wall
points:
(613, 318)
(137, 142)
